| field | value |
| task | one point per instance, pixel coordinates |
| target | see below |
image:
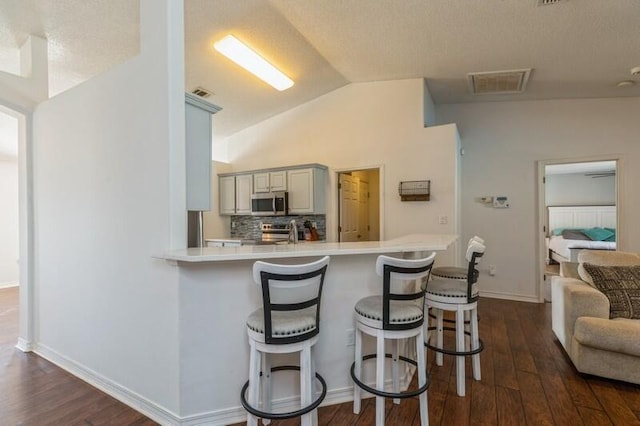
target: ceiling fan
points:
(602, 174)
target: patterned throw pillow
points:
(621, 285)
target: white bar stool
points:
(456, 290)
(397, 314)
(288, 322)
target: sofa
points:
(581, 313)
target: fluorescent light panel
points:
(242, 55)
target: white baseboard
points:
(9, 284)
(119, 392)
(166, 417)
(25, 345)
(509, 296)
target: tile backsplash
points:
(249, 226)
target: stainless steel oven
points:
(270, 204)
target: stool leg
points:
(467, 329)
(314, 390)
(422, 379)
(266, 386)
(357, 371)
(439, 335)
(395, 369)
(475, 343)
(460, 348)
(254, 382)
(380, 377)
(305, 383)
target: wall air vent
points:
(547, 2)
(203, 93)
(498, 82)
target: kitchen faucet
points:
(293, 232)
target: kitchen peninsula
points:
(217, 293)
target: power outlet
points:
(443, 220)
(351, 337)
(492, 270)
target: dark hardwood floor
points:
(35, 392)
(526, 379)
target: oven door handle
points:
(273, 204)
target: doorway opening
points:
(359, 205)
(9, 236)
(16, 156)
(578, 211)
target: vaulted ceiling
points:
(577, 48)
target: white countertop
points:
(408, 243)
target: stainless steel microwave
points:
(270, 204)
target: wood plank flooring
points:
(526, 379)
(35, 392)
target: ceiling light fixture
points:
(242, 55)
(626, 83)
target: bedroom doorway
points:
(578, 211)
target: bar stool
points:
(453, 272)
(397, 314)
(288, 322)
(459, 295)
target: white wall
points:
(360, 126)
(578, 189)
(105, 174)
(503, 141)
(9, 220)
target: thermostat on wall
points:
(500, 202)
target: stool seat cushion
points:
(401, 311)
(450, 290)
(284, 323)
(450, 272)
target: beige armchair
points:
(580, 320)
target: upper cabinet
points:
(235, 194)
(270, 181)
(306, 191)
(227, 190)
(244, 189)
(198, 152)
(305, 185)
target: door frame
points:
(335, 213)
(26, 288)
(542, 205)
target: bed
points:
(572, 229)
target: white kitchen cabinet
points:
(198, 152)
(235, 194)
(270, 181)
(244, 189)
(306, 191)
(227, 191)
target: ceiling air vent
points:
(547, 2)
(498, 82)
(203, 93)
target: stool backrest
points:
(290, 288)
(475, 251)
(394, 269)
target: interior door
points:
(363, 211)
(349, 208)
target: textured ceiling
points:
(577, 48)
(85, 37)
